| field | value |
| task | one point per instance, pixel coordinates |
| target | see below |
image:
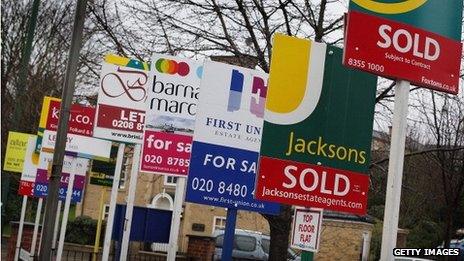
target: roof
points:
(349, 217)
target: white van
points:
(248, 245)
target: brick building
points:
(158, 191)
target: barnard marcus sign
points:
(415, 40)
(317, 133)
(170, 115)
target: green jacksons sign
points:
(318, 129)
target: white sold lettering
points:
(312, 182)
(431, 47)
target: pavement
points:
(4, 248)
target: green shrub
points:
(425, 234)
(82, 230)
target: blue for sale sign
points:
(41, 191)
(79, 169)
(227, 139)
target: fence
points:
(74, 252)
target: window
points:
(106, 211)
(266, 243)
(244, 243)
(241, 243)
(219, 241)
(122, 178)
(125, 169)
(170, 181)
(219, 223)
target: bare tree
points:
(47, 65)
(243, 29)
(239, 28)
(443, 116)
(433, 179)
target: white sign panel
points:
(170, 115)
(24, 255)
(79, 146)
(45, 161)
(121, 99)
(306, 233)
(173, 96)
(29, 172)
(234, 115)
(227, 138)
(31, 161)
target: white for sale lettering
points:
(229, 163)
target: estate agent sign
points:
(315, 149)
(415, 40)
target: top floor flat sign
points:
(413, 40)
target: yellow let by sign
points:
(15, 151)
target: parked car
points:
(456, 243)
(248, 245)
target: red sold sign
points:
(396, 50)
(304, 184)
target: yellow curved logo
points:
(295, 79)
(35, 158)
(390, 8)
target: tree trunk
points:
(280, 226)
(448, 232)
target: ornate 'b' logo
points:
(133, 90)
